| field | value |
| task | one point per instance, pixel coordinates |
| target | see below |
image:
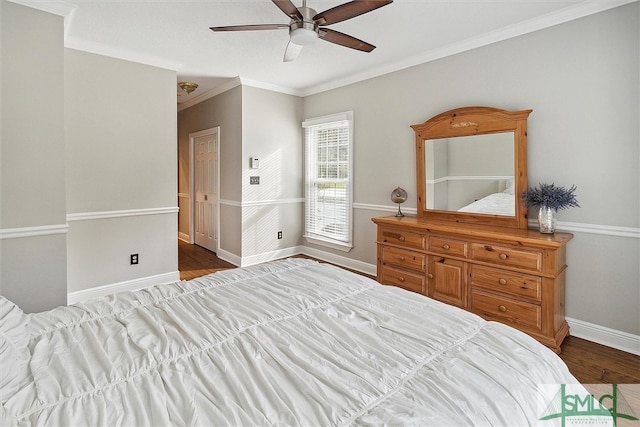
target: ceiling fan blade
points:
(292, 52)
(249, 27)
(289, 9)
(345, 40)
(348, 11)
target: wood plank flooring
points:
(589, 362)
(195, 261)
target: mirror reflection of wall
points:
(471, 174)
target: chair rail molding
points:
(89, 216)
(41, 230)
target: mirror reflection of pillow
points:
(510, 187)
(14, 350)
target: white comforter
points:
(493, 204)
(286, 343)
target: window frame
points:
(312, 236)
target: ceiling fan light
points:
(303, 36)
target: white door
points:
(205, 150)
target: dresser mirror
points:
(471, 165)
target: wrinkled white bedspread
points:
(495, 204)
(291, 342)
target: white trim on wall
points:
(271, 202)
(89, 216)
(232, 83)
(227, 202)
(567, 14)
(41, 230)
(129, 285)
(260, 202)
(572, 227)
(607, 230)
(228, 85)
(56, 7)
(382, 208)
(605, 336)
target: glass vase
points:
(547, 220)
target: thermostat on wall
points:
(255, 163)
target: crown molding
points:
(56, 7)
(567, 14)
(228, 85)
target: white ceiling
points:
(176, 35)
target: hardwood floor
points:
(589, 362)
(195, 261)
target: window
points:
(328, 194)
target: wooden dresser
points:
(514, 276)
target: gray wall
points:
(121, 171)
(580, 78)
(582, 81)
(224, 110)
(32, 185)
(88, 166)
(271, 131)
(253, 123)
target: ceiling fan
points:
(307, 26)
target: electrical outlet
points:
(254, 180)
(279, 234)
(134, 259)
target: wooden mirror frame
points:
(469, 121)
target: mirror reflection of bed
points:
(472, 174)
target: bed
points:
(500, 203)
(493, 204)
(290, 342)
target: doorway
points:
(205, 188)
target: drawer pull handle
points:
(502, 308)
(446, 247)
(401, 238)
(401, 258)
(503, 256)
(400, 279)
(502, 281)
(430, 276)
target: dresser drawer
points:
(446, 246)
(501, 255)
(404, 258)
(519, 314)
(410, 281)
(407, 239)
(519, 285)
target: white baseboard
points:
(229, 257)
(349, 263)
(342, 261)
(184, 237)
(606, 336)
(269, 256)
(129, 285)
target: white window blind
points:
(329, 164)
